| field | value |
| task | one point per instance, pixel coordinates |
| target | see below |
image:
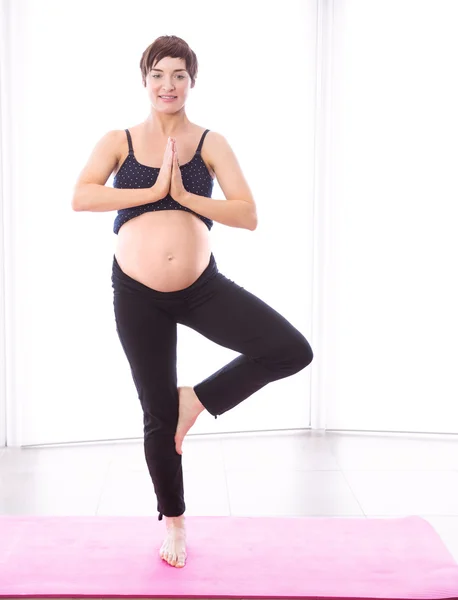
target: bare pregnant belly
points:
(166, 250)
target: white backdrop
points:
(394, 324)
(73, 75)
(355, 183)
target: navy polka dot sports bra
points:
(132, 174)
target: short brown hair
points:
(168, 45)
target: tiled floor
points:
(289, 474)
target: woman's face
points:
(168, 77)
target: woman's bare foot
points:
(173, 549)
(189, 408)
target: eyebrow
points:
(163, 71)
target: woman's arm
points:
(239, 209)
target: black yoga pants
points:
(146, 322)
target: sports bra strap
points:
(129, 139)
(199, 148)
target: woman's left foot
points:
(189, 408)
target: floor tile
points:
(405, 492)
(276, 492)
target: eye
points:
(158, 75)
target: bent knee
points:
(301, 354)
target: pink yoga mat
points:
(228, 557)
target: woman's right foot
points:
(173, 549)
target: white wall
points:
(395, 218)
(72, 75)
(356, 191)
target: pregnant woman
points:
(164, 271)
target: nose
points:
(167, 86)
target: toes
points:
(171, 555)
(179, 561)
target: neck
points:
(164, 125)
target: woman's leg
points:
(148, 335)
(271, 348)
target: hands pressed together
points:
(169, 180)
